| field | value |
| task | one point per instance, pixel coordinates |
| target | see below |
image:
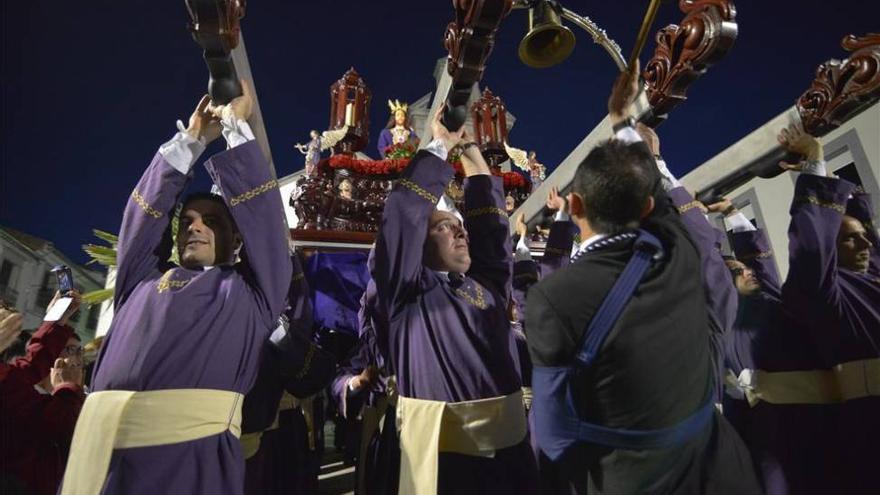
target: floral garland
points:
(397, 159)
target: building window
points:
(8, 272)
(46, 291)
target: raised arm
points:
(816, 214)
(397, 257)
(251, 192)
(144, 242)
(488, 228)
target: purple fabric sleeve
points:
(816, 212)
(252, 196)
(753, 249)
(721, 295)
(398, 253)
(487, 222)
(143, 242)
(558, 251)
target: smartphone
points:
(65, 279)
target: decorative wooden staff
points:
(215, 27)
(469, 39)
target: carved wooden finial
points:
(842, 89)
(684, 52)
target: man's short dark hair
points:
(615, 180)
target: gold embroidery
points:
(253, 193)
(756, 256)
(412, 186)
(476, 212)
(690, 206)
(479, 301)
(165, 283)
(813, 200)
(136, 196)
(307, 362)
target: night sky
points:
(92, 88)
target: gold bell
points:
(548, 42)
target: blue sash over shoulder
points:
(557, 424)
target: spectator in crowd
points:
(37, 427)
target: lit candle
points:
(349, 114)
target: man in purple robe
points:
(833, 291)
(189, 331)
(363, 390)
(442, 296)
(292, 368)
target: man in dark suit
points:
(637, 415)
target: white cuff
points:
(182, 151)
(738, 223)
(522, 252)
(664, 170)
(628, 135)
(235, 131)
(561, 216)
(816, 167)
(438, 149)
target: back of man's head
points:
(615, 182)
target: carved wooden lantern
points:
(490, 127)
(349, 106)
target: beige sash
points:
(477, 428)
(118, 419)
(847, 381)
(250, 442)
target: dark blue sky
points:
(92, 88)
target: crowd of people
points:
(634, 356)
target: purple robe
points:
(721, 295)
(386, 139)
(764, 337)
(838, 312)
(448, 339)
(178, 328)
(294, 364)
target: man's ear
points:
(575, 204)
(647, 208)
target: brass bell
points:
(548, 42)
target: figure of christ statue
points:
(399, 129)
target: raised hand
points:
(725, 207)
(556, 202)
(794, 139)
(439, 131)
(241, 107)
(202, 123)
(65, 373)
(624, 93)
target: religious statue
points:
(536, 170)
(399, 129)
(527, 162)
(320, 142)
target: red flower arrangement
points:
(514, 180)
(400, 151)
(366, 167)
